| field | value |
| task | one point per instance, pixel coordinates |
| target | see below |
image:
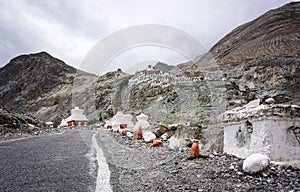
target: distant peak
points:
(163, 67)
(41, 53)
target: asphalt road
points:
(60, 162)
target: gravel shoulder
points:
(137, 166)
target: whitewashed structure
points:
(142, 120)
(159, 78)
(273, 130)
(127, 120)
(120, 121)
(77, 118)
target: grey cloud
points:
(69, 29)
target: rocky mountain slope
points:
(262, 57)
(40, 85)
(275, 34)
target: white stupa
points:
(142, 120)
(77, 115)
(77, 118)
(115, 125)
(127, 120)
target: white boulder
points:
(174, 143)
(164, 137)
(129, 134)
(270, 100)
(149, 136)
(255, 163)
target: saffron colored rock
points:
(139, 134)
(124, 132)
(157, 143)
(195, 150)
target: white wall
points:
(270, 136)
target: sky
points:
(71, 29)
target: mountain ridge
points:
(275, 32)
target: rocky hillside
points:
(275, 34)
(14, 124)
(40, 85)
(262, 57)
(258, 58)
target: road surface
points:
(59, 162)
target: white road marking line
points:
(103, 175)
(29, 137)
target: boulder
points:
(174, 143)
(270, 100)
(167, 135)
(129, 134)
(159, 132)
(149, 136)
(157, 143)
(195, 151)
(139, 133)
(255, 163)
(124, 132)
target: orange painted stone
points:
(195, 150)
(157, 143)
(139, 133)
(124, 132)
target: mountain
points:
(260, 57)
(163, 67)
(275, 34)
(40, 85)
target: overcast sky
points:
(69, 29)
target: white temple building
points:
(77, 118)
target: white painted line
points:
(103, 175)
(30, 137)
